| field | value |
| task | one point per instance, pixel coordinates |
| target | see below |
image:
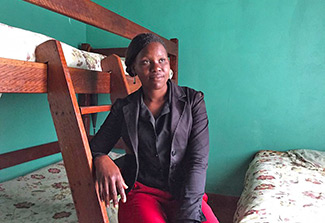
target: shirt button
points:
(173, 152)
(157, 155)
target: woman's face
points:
(152, 66)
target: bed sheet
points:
(42, 196)
(284, 187)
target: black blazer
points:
(189, 147)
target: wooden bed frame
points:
(51, 75)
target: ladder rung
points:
(94, 109)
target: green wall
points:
(260, 64)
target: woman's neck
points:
(155, 96)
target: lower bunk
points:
(284, 187)
(42, 196)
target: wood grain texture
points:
(24, 155)
(31, 77)
(108, 51)
(90, 82)
(22, 77)
(71, 134)
(223, 206)
(93, 14)
(174, 63)
(94, 109)
(119, 84)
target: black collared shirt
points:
(154, 145)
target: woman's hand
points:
(110, 180)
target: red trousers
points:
(150, 205)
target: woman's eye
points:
(145, 62)
(162, 60)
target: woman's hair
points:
(137, 44)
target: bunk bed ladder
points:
(71, 133)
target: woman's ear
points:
(133, 71)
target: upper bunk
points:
(34, 76)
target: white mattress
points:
(20, 44)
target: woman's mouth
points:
(156, 76)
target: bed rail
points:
(31, 77)
(93, 14)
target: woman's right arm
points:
(109, 133)
(109, 178)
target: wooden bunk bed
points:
(51, 75)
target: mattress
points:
(42, 196)
(20, 44)
(284, 187)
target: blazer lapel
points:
(131, 115)
(177, 109)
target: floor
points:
(224, 207)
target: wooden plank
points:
(31, 77)
(108, 51)
(105, 51)
(22, 77)
(85, 100)
(90, 82)
(24, 155)
(134, 83)
(119, 84)
(94, 109)
(71, 134)
(223, 206)
(93, 14)
(174, 63)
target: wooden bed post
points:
(71, 134)
(86, 100)
(174, 62)
(119, 85)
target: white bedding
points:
(42, 196)
(284, 187)
(20, 44)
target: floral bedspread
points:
(41, 196)
(284, 187)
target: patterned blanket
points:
(41, 196)
(284, 187)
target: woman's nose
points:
(155, 67)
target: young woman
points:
(165, 128)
